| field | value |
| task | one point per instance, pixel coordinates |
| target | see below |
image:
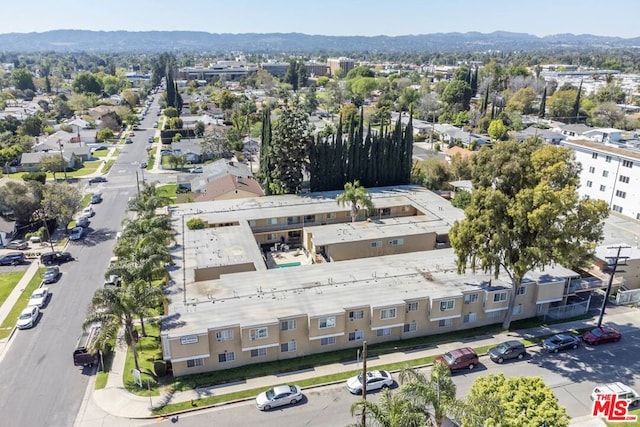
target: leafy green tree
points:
(86, 82)
(435, 173)
(198, 128)
(170, 112)
(522, 100)
(22, 79)
(560, 104)
(461, 199)
(497, 130)
(360, 71)
(53, 163)
(391, 410)
(512, 402)
(225, 100)
(610, 93)
(456, 96)
(196, 224)
(525, 213)
(20, 200)
(31, 126)
(607, 114)
(61, 201)
(104, 134)
(290, 139)
(357, 198)
(435, 395)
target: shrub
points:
(195, 224)
(160, 368)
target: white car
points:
(76, 233)
(279, 396)
(39, 297)
(88, 211)
(28, 318)
(375, 381)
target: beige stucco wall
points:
(342, 251)
(213, 273)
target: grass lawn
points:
(8, 281)
(148, 351)
(150, 161)
(10, 322)
(107, 166)
(164, 160)
(627, 424)
(100, 153)
(168, 191)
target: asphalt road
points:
(572, 375)
(39, 386)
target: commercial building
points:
(343, 63)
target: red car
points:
(601, 335)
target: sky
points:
(328, 17)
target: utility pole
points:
(138, 182)
(364, 383)
(64, 164)
(613, 273)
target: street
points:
(571, 374)
(39, 385)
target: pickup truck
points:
(84, 354)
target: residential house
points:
(453, 135)
(220, 180)
(628, 274)
(572, 131)
(30, 162)
(548, 136)
(464, 153)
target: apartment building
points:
(335, 64)
(387, 277)
(609, 173)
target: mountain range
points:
(198, 41)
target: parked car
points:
(150, 140)
(88, 211)
(375, 381)
(28, 317)
(279, 396)
(112, 281)
(83, 221)
(96, 198)
(620, 390)
(507, 350)
(155, 124)
(17, 244)
(12, 258)
(195, 170)
(128, 141)
(143, 165)
(601, 335)
(461, 358)
(39, 297)
(76, 233)
(561, 342)
(51, 275)
(96, 179)
(56, 257)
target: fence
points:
(628, 297)
(567, 311)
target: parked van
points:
(620, 390)
(13, 258)
(84, 354)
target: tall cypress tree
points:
(485, 103)
(266, 166)
(576, 105)
(543, 104)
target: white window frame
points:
(288, 325)
(291, 346)
(356, 315)
(258, 333)
(396, 242)
(522, 290)
(376, 244)
(500, 296)
(607, 159)
(627, 163)
(603, 188)
(589, 184)
(470, 318)
(388, 313)
(447, 305)
(445, 322)
(621, 194)
(224, 335)
(357, 335)
(384, 332)
(328, 341)
(259, 352)
(470, 298)
(605, 174)
(592, 169)
(624, 179)
(328, 321)
(412, 306)
(194, 363)
(229, 356)
(272, 221)
(410, 327)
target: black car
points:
(57, 257)
(507, 350)
(97, 179)
(561, 342)
(12, 258)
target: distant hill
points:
(167, 41)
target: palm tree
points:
(391, 410)
(113, 308)
(144, 297)
(435, 395)
(357, 197)
(148, 200)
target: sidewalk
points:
(116, 400)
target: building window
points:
(589, 184)
(621, 194)
(271, 237)
(624, 179)
(522, 290)
(356, 315)
(384, 332)
(328, 341)
(226, 335)
(356, 336)
(517, 309)
(388, 313)
(594, 155)
(592, 169)
(385, 211)
(193, 363)
(494, 314)
(190, 339)
(410, 327)
(500, 296)
(272, 221)
(447, 305)
(603, 187)
(412, 306)
(258, 334)
(470, 298)
(607, 159)
(627, 163)
(292, 220)
(605, 173)
(252, 223)
(331, 215)
(445, 322)
(396, 242)
(287, 347)
(287, 325)
(469, 318)
(377, 244)
(229, 356)
(617, 208)
(309, 219)
(327, 322)
(259, 352)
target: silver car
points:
(28, 317)
(279, 396)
